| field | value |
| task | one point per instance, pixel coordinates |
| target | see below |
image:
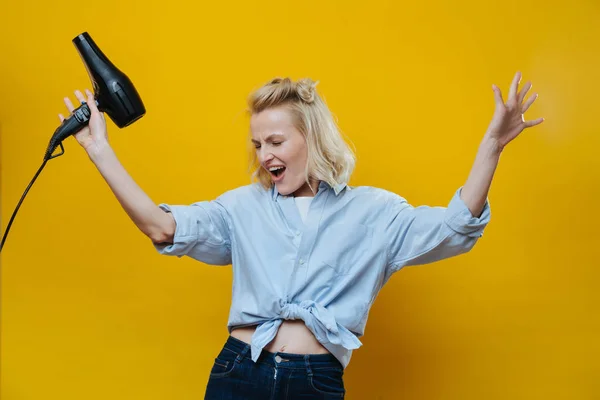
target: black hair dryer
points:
(114, 93)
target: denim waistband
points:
(284, 360)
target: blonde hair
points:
(330, 159)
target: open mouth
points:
(276, 172)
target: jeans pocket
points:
(224, 364)
(328, 381)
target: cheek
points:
(285, 153)
(300, 151)
(301, 157)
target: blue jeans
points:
(274, 376)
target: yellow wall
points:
(91, 311)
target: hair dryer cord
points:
(27, 190)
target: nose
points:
(264, 156)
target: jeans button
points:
(278, 359)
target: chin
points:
(283, 189)
(286, 190)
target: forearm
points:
(146, 215)
(476, 189)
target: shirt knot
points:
(318, 319)
(309, 310)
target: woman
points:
(309, 253)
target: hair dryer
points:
(114, 93)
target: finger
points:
(529, 102)
(60, 116)
(91, 101)
(513, 86)
(534, 122)
(523, 92)
(79, 96)
(69, 104)
(497, 96)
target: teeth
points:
(275, 168)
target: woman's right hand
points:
(93, 137)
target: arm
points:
(425, 234)
(475, 191)
(147, 216)
(420, 235)
(507, 123)
(200, 231)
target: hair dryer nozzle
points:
(113, 90)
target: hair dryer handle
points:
(76, 122)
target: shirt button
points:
(301, 262)
(278, 359)
(297, 233)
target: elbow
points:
(161, 237)
(165, 233)
(468, 243)
(458, 244)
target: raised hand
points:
(93, 137)
(508, 121)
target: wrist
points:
(100, 153)
(491, 145)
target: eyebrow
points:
(268, 138)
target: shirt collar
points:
(322, 186)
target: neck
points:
(306, 190)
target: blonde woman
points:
(309, 253)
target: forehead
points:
(271, 120)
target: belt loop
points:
(242, 354)
(306, 356)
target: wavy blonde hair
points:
(330, 159)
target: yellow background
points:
(91, 311)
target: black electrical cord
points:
(46, 158)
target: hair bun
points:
(306, 89)
(281, 90)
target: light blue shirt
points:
(326, 271)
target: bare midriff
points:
(293, 337)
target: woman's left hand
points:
(508, 122)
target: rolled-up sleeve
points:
(202, 232)
(424, 234)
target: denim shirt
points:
(326, 271)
